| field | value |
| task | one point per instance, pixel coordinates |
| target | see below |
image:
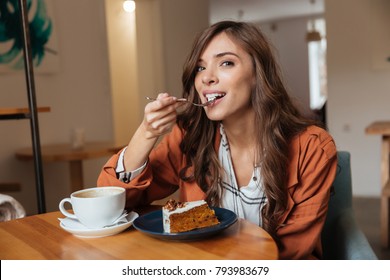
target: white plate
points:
(76, 228)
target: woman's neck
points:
(242, 145)
(241, 132)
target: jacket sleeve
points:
(312, 171)
(158, 180)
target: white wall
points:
(358, 91)
(147, 52)
(181, 21)
(288, 38)
(165, 32)
(123, 61)
(78, 94)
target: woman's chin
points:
(213, 116)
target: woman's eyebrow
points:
(222, 54)
(225, 53)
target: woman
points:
(250, 151)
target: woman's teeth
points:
(214, 96)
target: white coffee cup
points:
(96, 207)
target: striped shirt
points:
(246, 201)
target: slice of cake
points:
(186, 216)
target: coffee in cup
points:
(96, 207)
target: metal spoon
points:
(185, 100)
(118, 220)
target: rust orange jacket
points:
(311, 171)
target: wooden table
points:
(19, 113)
(383, 128)
(75, 157)
(41, 237)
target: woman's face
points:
(225, 72)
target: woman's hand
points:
(159, 119)
(160, 115)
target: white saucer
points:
(77, 229)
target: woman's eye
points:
(199, 68)
(227, 63)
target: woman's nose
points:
(209, 77)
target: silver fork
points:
(185, 100)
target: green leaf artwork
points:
(11, 40)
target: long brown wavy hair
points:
(277, 120)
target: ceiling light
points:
(129, 6)
(313, 35)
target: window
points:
(317, 65)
